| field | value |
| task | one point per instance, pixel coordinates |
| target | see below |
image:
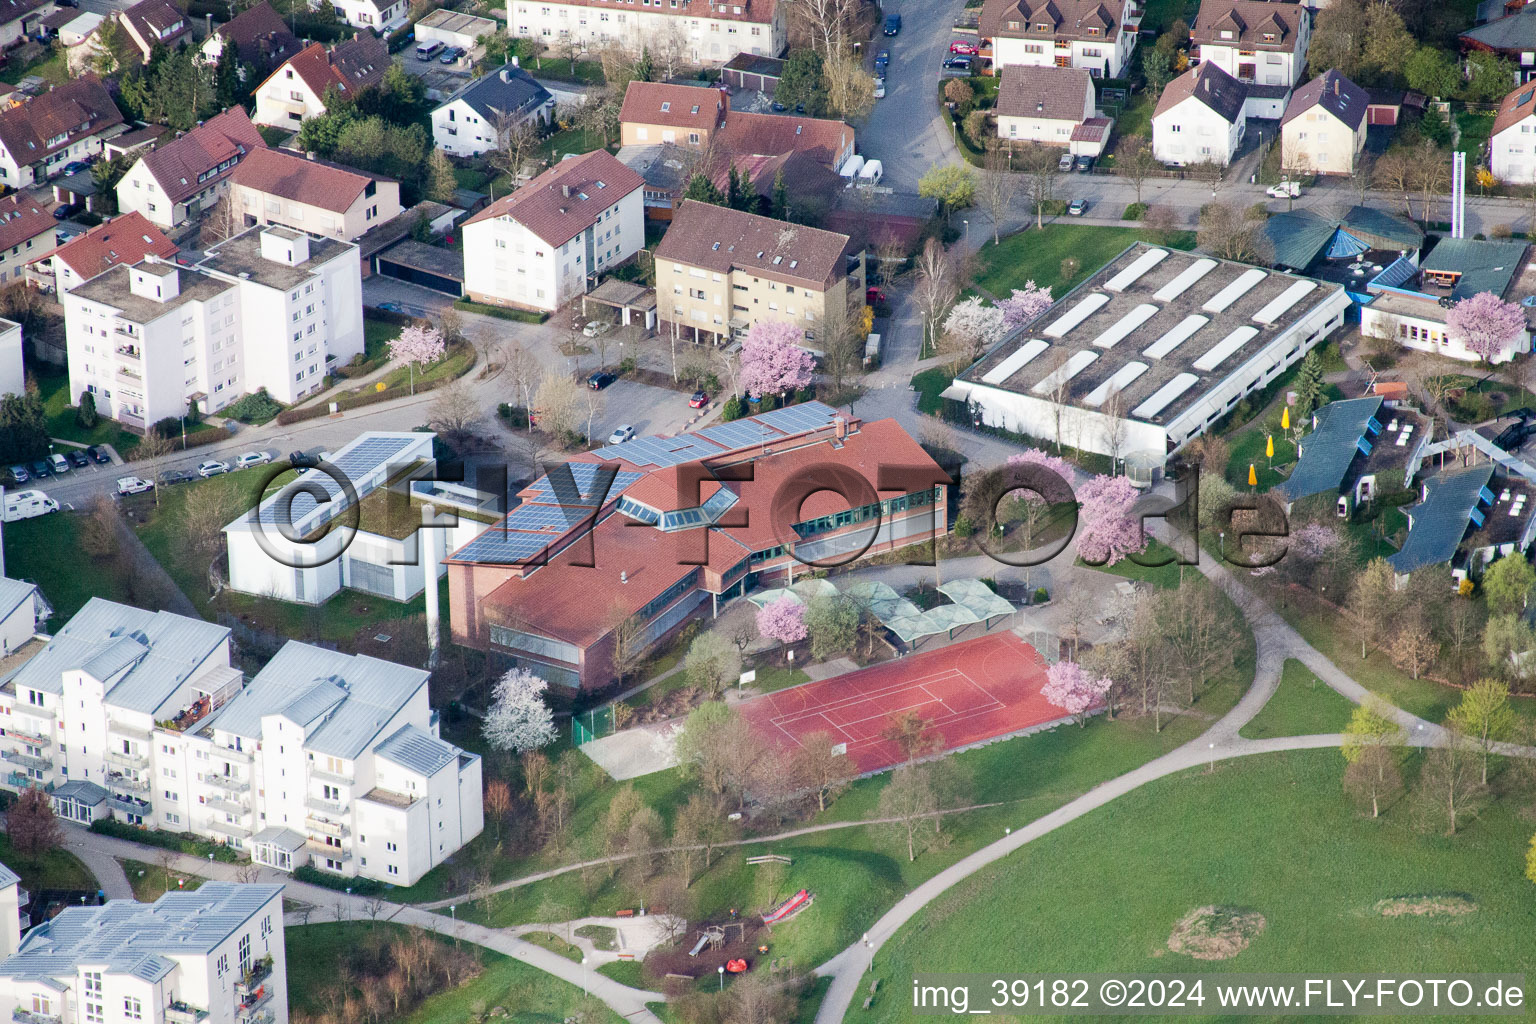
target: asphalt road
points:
(906, 131)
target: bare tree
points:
(996, 189)
(1449, 786)
(516, 142)
(1039, 165)
(595, 403)
(1235, 233)
(1431, 171)
(204, 513)
(559, 400)
(909, 806)
(1136, 161)
(937, 286)
(819, 768)
(1394, 173)
(152, 448)
(523, 374)
(669, 47)
(850, 90)
(222, 220)
(827, 23)
(456, 414)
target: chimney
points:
(506, 75)
(515, 62)
(623, 576)
(565, 190)
(1335, 86)
(431, 537)
(839, 427)
(309, 155)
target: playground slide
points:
(788, 907)
(703, 941)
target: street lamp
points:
(721, 971)
(966, 233)
(583, 977)
(871, 947)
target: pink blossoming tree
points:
(1055, 463)
(782, 620)
(772, 361)
(1108, 529)
(1485, 323)
(1025, 304)
(417, 346)
(1074, 689)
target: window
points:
(132, 1008)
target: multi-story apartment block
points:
(297, 89)
(211, 956)
(40, 137)
(269, 308)
(259, 35)
(1096, 35)
(176, 182)
(720, 271)
(276, 186)
(1262, 42)
(13, 903)
(326, 759)
(705, 31)
(1323, 130)
(545, 244)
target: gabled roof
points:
(260, 35)
(820, 138)
(1516, 106)
(1046, 92)
(1331, 446)
(1442, 518)
(22, 218)
(1249, 21)
(721, 240)
(1334, 93)
(204, 156)
(567, 198)
(1211, 86)
(1512, 32)
(1047, 19)
(10, 10)
(280, 172)
(505, 92)
(689, 107)
(126, 239)
(40, 127)
(156, 22)
(351, 67)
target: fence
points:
(592, 725)
(1047, 643)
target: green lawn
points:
(1248, 448)
(1476, 126)
(1302, 705)
(930, 384)
(455, 363)
(52, 67)
(1159, 14)
(56, 869)
(149, 880)
(1270, 833)
(1037, 255)
(1164, 576)
(625, 972)
(47, 551)
(58, 406)
(555, 944)
(778, 677)
(529, 995)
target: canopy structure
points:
(947, 618)
(977, 597)
(973, 601)
(882, 601)
(911, 628)
(801, 592)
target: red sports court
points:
(971, 691)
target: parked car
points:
(1084, 164)
(1065, 163)
(601, 379)
(964, 49)
(133, 485)
(1286, 189)
(248, 459)
(213, 467)
(957, 64)
(302, 460)
(19, 475)
(98, 455)
(451, 55)
(75, 166)
(882, 61)
(428, 50)
(178, 476)
(622, 434)
(698, 401)
(892, 24)
(59, 464)
(777, 107)
(880, 88)
(873, 296)
(64, 211)
(595, 328)
(40, 469)
(77, 458)
(1077, 207)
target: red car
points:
(966, 49)
(698, 401)
(873, 295)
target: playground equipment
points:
(789, 908)
(736, 966)
(714, 936)
(770, 858)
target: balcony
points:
(130, 805)
(35, 710)
(219, 803)
(231, 754)
(21, 780)
(36, 739)
(129, 377)
(261, 1015)
(314, 803)
(127, 760)
(181, 1013)
(126, 784)
(229, 830)
(31, 1017)
(228, 783)
(132, 732)
(331, 777)
(130, 352)
(329, 828)
(27, 760)
(331, 852)
(251, 984)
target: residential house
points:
(277, 186)
(1323, 130)
(660, 112)
(1040, 103)
(213, 954)
(66, 124)
(296, 90)
(27, 231)
(13, 377)
(271, 308)
(261, 39)
(381, 16)
(546, 243)
(720, 271)
(152, 23)
(1263, 42)
(21, 18)
(1200, 117)
(128, 239)
(478, 116)
(1512, 37)
(180, 180)
(1512, 145)
(703, 33)
(1095, 35)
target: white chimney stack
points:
(429, 535)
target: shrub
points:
(256, 407)
(359, 886)
(85, 412)
(1501, 231)
(734, 409)
(1042, 595)
(170, 426)
(182, 842)
(520, 315)
(627, 366)
(964, 527)
(1135, 211)
(513, 415)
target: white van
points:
(870, 173)
(27, 504)
(850, 170)
(59, 463)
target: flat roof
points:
(111, 289)
(242, 255)
(1164, 329)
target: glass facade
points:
(874, 510)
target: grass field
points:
(1164, 576)
(58, 407)
(47, 550)
(1037, 255)
(56, 869)
(529, 995)
(1270, 833)
(930, 384)
(149, 880)
(1302, 705)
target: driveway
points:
(906, 131)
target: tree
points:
(818, 767)
(1309, 385)
(498, 802)
(701, 189)
(713, 662)
(1136, 160)
(31, 825)
(1485, 323)
(1024, 304)
(516, 142)
(832, 622)
(996, 189)
(1431, 70)
(802, 83)
(704, 744)
(456, 414)
(441, 184)
(1507, 585)
(938, 283)
(952, 186)
(1109, 530)
(782, 620)
(1373, 603)
(913, 735)
(778, 205)
(772, 361)
(959, 92)
(1235, 233)
(1485, 717)
(1039, 165)
(909, 808)
(972, 327)
(1373, 778)
(205, 511)
(1368, 739)
(1157, 68)
(1448, 783)
(1489, 77)
(1074, 689)
(559, 403)
(850, 89)
(416, 345)
(518, 718)
(85, 413)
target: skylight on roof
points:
(1119, 381)
(1280, 304)
(1120, 329)
(666, 106)
(1058, 377)
(1240, 286)
(1224, 348)
(1085, 308)
(1188, 276)
(1165, 395)
(1015, 362)
(1129, 276)
(1175, 337)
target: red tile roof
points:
(1515, 107)
(22, 218)
(771, 134)
(351, 67)
(563, 201)
(156, 22)
(319, 183)
(126, 239)
(1249, 21)
(722, 240)
(689, 107)
(41, 126)
(205, 155)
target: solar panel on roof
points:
(497, 546)
(585, 477)
(545, 517)
(798, 418)
(740, 434)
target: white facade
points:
(13, 376)
(22, 611)
(1102, 58)
(379, 15)
(266, 309)
(1420, 324)
(702, 39)
(458, 129)
(214, 955)
(1513, 152)
(12, 899)
(1262, 67)
(1190, 132)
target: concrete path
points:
(636, 936)
(110, 876)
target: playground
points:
(972, 691)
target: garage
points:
(430, 266)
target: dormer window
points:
(1226, 33)
(1042, 27)
(1013, 26)
(1092, 31)
(1270, 37)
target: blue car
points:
(892, 24)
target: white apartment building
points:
(214, 955)
(277, 186)
(269, 308)
(704, 31)
(23, 609)
(323, 757)
(1323, 130)
(13, 901)
(547, 242)
(382, 16)
(476, 117)
(1095, 35)
(1263, 42)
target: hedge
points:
(196, 439)
(359, 886)
(181, 842)
(389, 316)
(521, 315)
(312, 412)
